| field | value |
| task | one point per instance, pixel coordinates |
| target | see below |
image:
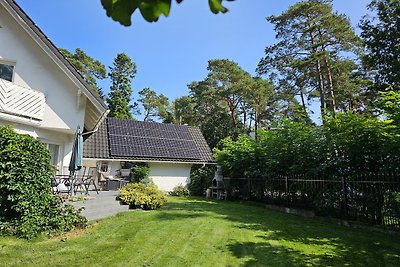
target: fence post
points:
(287, 190)
(249, 187)
(344, 191)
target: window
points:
(6, 71)
(54, 150)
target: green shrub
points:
(179, 191)
(137, 195)
(200, 179)
(27, 206)
(140, 173)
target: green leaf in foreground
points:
(122, 10)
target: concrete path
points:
(99, 206)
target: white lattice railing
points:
(21, 101)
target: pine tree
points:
(312, 41)
(119, 98)
(89, 68)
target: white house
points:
(169, 150)
(41, 93)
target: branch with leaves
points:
(122, 10)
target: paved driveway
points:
(100, 206)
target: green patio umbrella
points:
(75, 163)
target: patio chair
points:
(85, 181)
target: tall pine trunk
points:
(321, 85)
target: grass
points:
(198, 232)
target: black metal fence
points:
(370, 198)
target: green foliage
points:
(122, 10)
(179, 191)
(309, 59)
(388, 104)
(154, 105)
(381, 38)
(357, 144)
(236, 156)
(347, 144)
(27, 206)
(119, 98)
(88, 67)
(379, 33)
(229, 101)
(200, 179)
(140, 173)
(184, 111)
(146, 197)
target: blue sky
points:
(174, 51)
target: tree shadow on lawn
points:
(290, 240)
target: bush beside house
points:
(179, 191)
(140, 173)
(200, 179)
(138, 195)
(27, 206)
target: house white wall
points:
(165, 175)
(34, 69)
(168, 175)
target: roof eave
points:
(155, 161)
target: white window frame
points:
(59, 159)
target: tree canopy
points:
(382, 40)
(154, 105)
(381, 34)
(90, 69)
(311, 56)
(119, 99)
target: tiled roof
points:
(173, 142)
(201, 144)
(96, 145)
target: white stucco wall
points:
(168, 175)
(165, 175)
(34, 69)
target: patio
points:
(98, 206)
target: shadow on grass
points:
(289, 240)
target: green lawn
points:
(197, 232)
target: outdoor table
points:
(63, 179)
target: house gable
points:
(40, 66)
